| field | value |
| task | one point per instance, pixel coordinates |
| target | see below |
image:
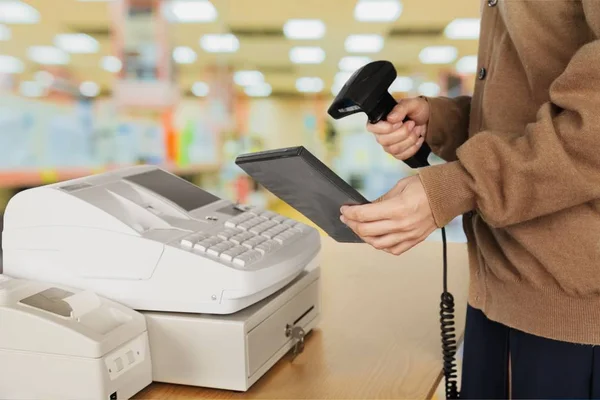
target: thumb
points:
(397, 189)
(412, 108)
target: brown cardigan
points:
(524, 167)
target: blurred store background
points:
(91, 85)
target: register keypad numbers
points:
(246, 238)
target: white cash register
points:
(222, 286)
(61, 343)
(153, 241)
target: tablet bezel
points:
(308, 157)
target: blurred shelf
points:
(30, 178)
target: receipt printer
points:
(61, 343)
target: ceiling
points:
(421, 24)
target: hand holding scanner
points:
(367, 91)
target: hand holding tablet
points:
(301, 180)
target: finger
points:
(398, 135)
(374, 229)
(381, 128)
(404, 246)
(381, 210)
(400, 147)
(412, 150)
(420, 130)
(386, 242)
(405, 108)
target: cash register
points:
(58, 342)
(214, 279)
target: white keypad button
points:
(289, 222)
(253, 242)
(229, 255)
(187, 243)
(274, 231)
(203, 245)
(279, 219)
(240, 219)
(268, 246)
(260, 228)
(217, 249)
(241, 237)
(228, 233)
(302, 227)
(194, 238)
(251, 223)
(287, 237)
(268, 214)
(247, 258)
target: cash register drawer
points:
(269, 337)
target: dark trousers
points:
(539, 368)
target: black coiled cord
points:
(449, 345)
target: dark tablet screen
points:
(300, 179)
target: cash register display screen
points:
(179, 191)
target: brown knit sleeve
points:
(448, 125)
(552, 166)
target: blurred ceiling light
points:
(467, 65)
(184, 55)
(200, 89)
(352, 63)
(186, 11)
(438, 54)
(5, 33)
(248, 78)
(339, 81)
(220, 43)
(31, 89)
(430, 89)
(304, 29)
(111, 64)
(463, 28)
(309, 85)
(307, 55)
(18, 12)
(402, 84)
(261, 90)
(10, 65)
(364, 43)
(89, 89)
(48, 55)
(76, 43)
(44, 78)
(377, 10)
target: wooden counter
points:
(379, 336)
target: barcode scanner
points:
(367, 91)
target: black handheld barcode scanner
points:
(367, 91)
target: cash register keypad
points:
(247, 237)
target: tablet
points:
(300, 179)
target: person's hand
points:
(403, 139)
(396, 222)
